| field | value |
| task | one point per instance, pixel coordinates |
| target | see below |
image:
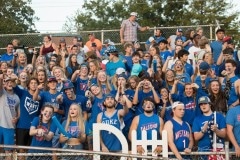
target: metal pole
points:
(226, 150)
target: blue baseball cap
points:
(109, 96)
(68, 84)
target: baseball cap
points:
(220, 30)
(109, 96)
(107, 41)
(68, 84)
(136, 69)
(52, 78)
(177, 103)
(120, 71)
(178, 38)
(203, 99)
(112, 49)
(228, 40)
(122, 75)
(179, 30)
(151, 39)
(134, 14)
(204, 66)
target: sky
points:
(53, 13)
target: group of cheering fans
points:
(185, 85)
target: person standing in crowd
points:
(156, 38)
(42, 130)
(147, 121)
(75, 126)
(108, 141)
(179, 132)
(69, 97)
(129, 28)
(204, 127)
(28, 110)
(114, 62)
(217, 96)
(143, 90)
(8, 56)
(231, 83)
(216, 46)
(233, 128)
(48, 46)
(9, 112)
(92, 39)
(80, 78)
(171, 40)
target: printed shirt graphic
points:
(31, 105)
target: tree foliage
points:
(16, 16)
(108, 14)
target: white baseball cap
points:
(134, 14)
(177, 103)
(120, 71)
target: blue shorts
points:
(7, 136)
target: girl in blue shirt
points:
(42, 129)
(75, 126)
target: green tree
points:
(16, 16)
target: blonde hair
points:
(80, 120)
(62, 71)
(107, 83)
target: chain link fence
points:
(35, 39)
(70, 154)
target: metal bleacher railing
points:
(35, 39)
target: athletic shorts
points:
(7, 136)
(22, 137)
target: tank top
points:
(47, 50)
(181, 134)
(109, 139)
(148, 124)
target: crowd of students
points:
(175, 84)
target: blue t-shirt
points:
(198, 123)
(189, 105)
(81, 86)
(81, 100)
(216, 47)
(6, 57)
(168, 111)
(233, 96)
(48, 98)
(109, 139)
(157, 39)
(129, 63)
(97, 107)
(28, 108)
(111, 67)
(233, 119)
(164, 55)
(141, 96)
(40, 141)
(188, 69)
